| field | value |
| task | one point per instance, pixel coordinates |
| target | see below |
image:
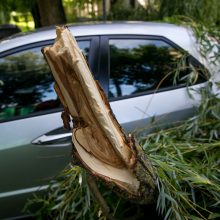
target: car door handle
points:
(57, 139)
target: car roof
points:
(180, 35)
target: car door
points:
(34, 147)
(143, 82)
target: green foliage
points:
(79, 10)
(206, 12)
(202, 11)
(120, 12)
(69, 198)
(187, 163)
(7, 6)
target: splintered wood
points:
(99, 142)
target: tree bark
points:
(99, 142)
(51, 12)
(36, 15)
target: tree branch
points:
(99, 198)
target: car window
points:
(26, 83)
(143, 65)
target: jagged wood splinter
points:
(100, 144)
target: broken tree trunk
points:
(99, 142)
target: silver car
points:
(133, 62)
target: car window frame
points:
(93, 60)
(106, 59)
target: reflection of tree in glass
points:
(84, 46)
(142, 67)
(26, 79)
(86, 52)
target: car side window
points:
(143, 65)
(26, 83)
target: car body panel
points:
(25, 166)
(151, 105)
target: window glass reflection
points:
(84, 46)
(139, 65)
(26, 83)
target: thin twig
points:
(99, 198)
